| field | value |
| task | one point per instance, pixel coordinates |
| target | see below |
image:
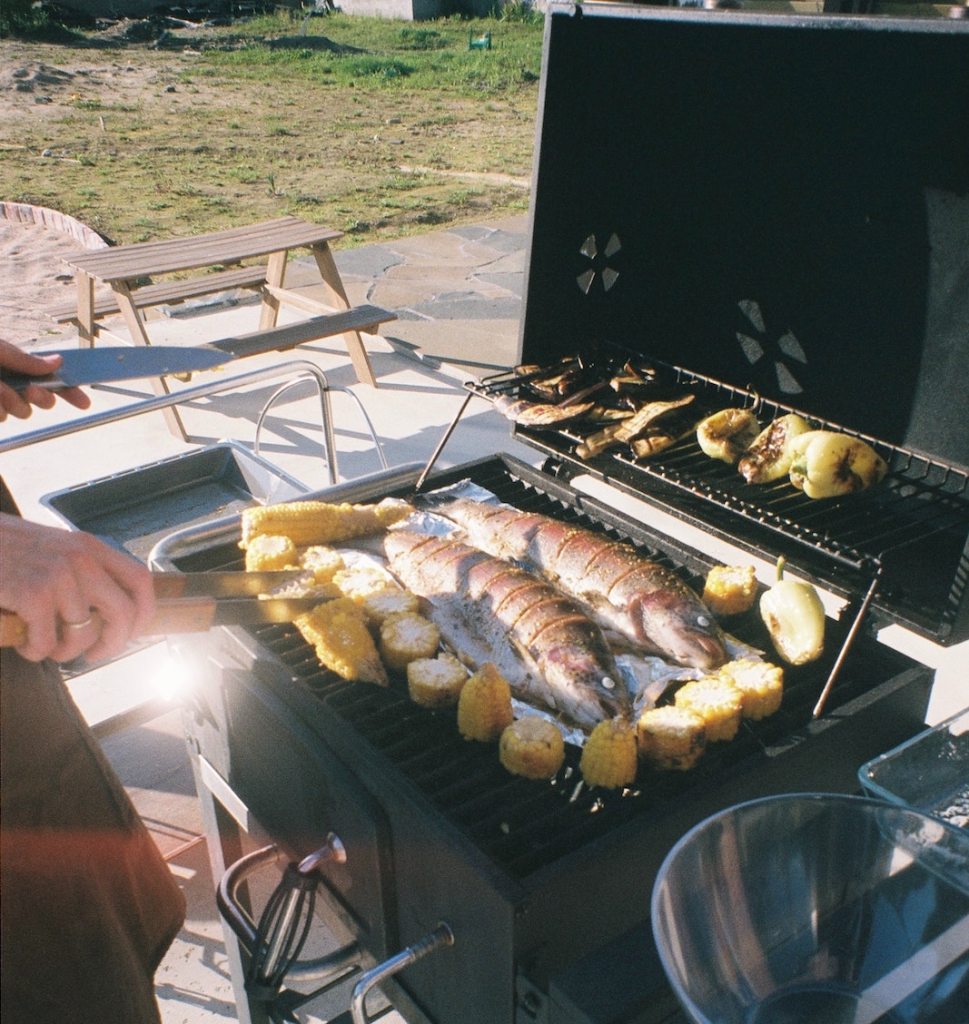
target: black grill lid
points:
(779, 202)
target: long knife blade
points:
(83, 366)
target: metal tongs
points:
(194, 602)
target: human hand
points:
(75, 594)
(20, 404)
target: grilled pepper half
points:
(769, 456)
(827, 464)
(794, 616)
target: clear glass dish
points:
(929, 772)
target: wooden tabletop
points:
(143, 259)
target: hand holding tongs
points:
(194, 602)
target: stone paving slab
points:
(457, 292)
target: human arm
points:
(20, 404)
(53, 578)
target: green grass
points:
(378, 52)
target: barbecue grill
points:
(773, 212)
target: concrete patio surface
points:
(458, 296)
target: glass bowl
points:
(815, 908)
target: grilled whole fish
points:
(645, 602)
(552, 654)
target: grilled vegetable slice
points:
(268, 553)
(717, 701)
(827, 464)
(652, 443)
(760, 683)
(609, 755)
(407, 636)
(794, 616)
(539, 414)
(730, 589)
(671, 737)
(532, 747)
(320, 522)
(629, 429)
(342, 642)
(727, 434)
(770, 455)
(484, 707)
(436, 682)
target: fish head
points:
(682, 630)
(584, 689)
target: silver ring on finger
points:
(83, 624)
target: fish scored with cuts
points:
(552, 654)
(645, 602)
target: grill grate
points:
(523, 825)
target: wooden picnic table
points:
(130, 272)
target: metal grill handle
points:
(441, 936)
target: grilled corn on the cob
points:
(389, 600)
(407, 636)
(730, 589)
(436, 682)
(760, 683)
(484, 707)
(671, 737)
(717, 701)
(322, 561)
(321, 522)
(342, 642)
(267, 553)
(532, 747)
(376, 591)
(609, 755)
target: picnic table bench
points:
(130, 270)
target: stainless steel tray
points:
(136, 508)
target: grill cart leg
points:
(223, 831)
